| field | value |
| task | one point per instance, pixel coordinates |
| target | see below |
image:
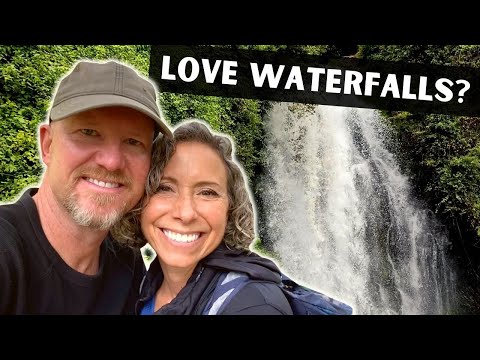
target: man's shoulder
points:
(10, 218)
(14, 212)
(16, 217)
(12, 221)
(9, 209)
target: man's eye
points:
(89, 132)
(134, 142)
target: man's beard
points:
(90, 218)
(93, 218)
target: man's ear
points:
(45, 142)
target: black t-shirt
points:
(35, 280)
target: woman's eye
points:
(208, 192)
(164, 188)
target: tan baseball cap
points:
(93, 85)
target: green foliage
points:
(460, 186)
(330, 50)
(297, 49)
(28, 75)
(467, 55)
(424, 54)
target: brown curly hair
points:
(240, 230)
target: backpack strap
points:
(228, 285)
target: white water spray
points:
(340, 215)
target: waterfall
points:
(340, 216)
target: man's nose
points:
(111, 157)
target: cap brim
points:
(88, 102)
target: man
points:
(56, 255)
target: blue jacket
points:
(261, 296)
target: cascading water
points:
(340, 217)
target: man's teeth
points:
(183, 238)
(103, 183)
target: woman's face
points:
(186, 219)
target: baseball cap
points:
(93, 85)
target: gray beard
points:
(89, 218)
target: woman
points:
(199, 219)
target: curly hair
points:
(240, 229)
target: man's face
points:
(98, 162)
